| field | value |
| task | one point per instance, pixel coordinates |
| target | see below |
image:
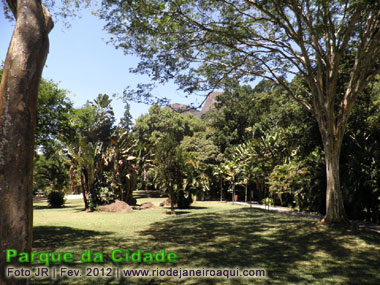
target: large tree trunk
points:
(332, 132)
(335, 212)
(18, 98)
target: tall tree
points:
(23, 66)
(170, 164)
(126, 122)
(54, 110)
(158, 123)
(202, 43)
(95, 120)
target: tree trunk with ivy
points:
(23, 67)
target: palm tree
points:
(123, 157)
(195, 181)
(231, 170)
(85, 157)
(218, 172)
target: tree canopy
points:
(54, 111)
(152, 127)
(245, 39)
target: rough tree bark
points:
(23, 67)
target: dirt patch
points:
(117, 207)
(147, 206)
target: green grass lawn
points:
(213, 235)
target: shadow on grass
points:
(48, 237)
(177, 212)
(44, 207)
(291, 249)
(147, 194)
(80, 209)
(186, 210)
(197, 208)
(41, 207)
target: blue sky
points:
(82, 63)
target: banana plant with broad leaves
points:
(86, 157)
(124, 159)
(257, 158)
(196, 182)
(231, 169)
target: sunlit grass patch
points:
(215, 234)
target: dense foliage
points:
(181, 153)
(281, 156)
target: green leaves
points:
(291, 178)
(54, 111)
(95, 120)
(154, 126)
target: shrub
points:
(56, 199)
(290, 181)
(106, 195)
(267, 201)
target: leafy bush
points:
(297, 182)
(267, 201)
(106, 195)
(56, 199)
(290, 178)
